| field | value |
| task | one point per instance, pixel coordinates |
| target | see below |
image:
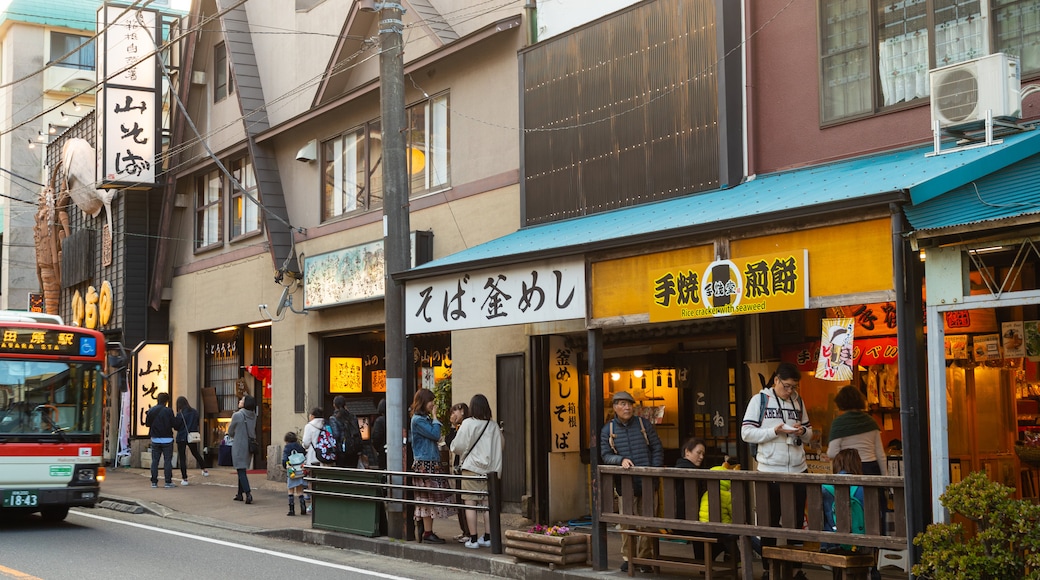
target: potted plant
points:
(1006, 543)
(555, 545)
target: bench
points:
(843, 566)
(709, 566)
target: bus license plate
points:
(20, 498)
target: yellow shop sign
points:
(769, 283)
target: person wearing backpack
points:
(847, 462)
(777, 422)
(310, 434)
(348, 434)
(629, 440)
(293, 458)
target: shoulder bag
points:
(193, 436)
(458, 468)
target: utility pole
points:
(396, 247)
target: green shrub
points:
(442, 401)
(1006, 544)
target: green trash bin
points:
(342, 514)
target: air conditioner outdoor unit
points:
(963, 92)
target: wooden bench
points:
(708, 565)
(843, 566)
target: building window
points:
(353, 172)
(80, 51)
(428, 144)
(208, 210)
(245, 217)
(858, 79)
(223, 81)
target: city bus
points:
(52, 391)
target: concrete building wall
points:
(23, 54)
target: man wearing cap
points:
(629, 440)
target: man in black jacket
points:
(159, 421)
(629, 440)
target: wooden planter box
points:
(553, 550)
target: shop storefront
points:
(235, 361)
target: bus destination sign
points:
(45, 341)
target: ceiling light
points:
(225, 329)
(637, 374)
(615, 376)
(259, 324)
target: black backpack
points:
(348, 436)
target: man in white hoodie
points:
(777, 422)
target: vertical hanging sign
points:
(128, 97)
(563, 400)
(151, 377)
(836, 361)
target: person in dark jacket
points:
(341, 418)
(187, 421)
(378, 438)
(629, 440)
(159, 420)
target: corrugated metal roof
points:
(1010, 192)
(862, 181)
(75, 14)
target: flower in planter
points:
(549, 530)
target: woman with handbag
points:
(479, 443)
(242, 429)
(188, 436)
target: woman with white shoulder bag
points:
(479, 443)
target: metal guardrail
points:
(395, 493)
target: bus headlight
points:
(86, 475)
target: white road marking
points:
(244, 547)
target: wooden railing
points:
(750, 500)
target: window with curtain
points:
(245, 212)
(208, 209)
(428, 145)
(876, 54)
(353, 179)
(80, 47)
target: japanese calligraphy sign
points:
(563, 397)
(128, 97)
(749, 285)
(836, 360)
(543, 291)
(344, 374)
(151, 377)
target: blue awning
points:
(990, 201)
(903, 175)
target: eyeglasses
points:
(623, 403)
(789, 386)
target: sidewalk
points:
(207, 501)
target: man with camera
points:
(777, 422)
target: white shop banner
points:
(543, 291)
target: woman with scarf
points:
(855, 429)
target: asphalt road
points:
(103, 544)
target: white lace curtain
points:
(903, 60)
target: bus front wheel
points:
(54, 514)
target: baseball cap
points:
(622, 396)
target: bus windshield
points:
(45, 399)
